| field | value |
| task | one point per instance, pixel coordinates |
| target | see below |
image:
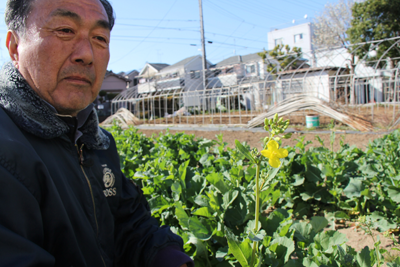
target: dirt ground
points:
(357, 239)
(254, 139)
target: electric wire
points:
(147, 35)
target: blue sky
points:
(167, 31)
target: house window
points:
(298, 38)
(278, 41)
(194, 74)
(250, 69)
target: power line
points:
(229, 36)
(236, 17)
(235, 37)
(151, 42)
(168, 20)
(157, 27)
(140, 37)
(148, 34)
(244, 8)
(268, 8)
(301, 4)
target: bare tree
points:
(330, 31)
(331, 25)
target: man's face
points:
(65, 51)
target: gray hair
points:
(17, 12)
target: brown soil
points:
(254, 139)
(381, 116)
(357, 238)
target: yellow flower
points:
(274, 153)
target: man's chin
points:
(70, 110)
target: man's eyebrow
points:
(67, 13)
(103, 24)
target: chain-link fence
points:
(242, 88)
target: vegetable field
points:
(233, 209)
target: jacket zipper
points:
(81, 159)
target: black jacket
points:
(62, 204)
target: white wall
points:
(287, 35)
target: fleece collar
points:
(33, 114)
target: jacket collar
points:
(34, 115)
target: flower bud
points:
(287, 136)
(276, 118)
(266, 139)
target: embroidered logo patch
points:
(109, 181)
(108, 178)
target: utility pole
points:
(203, 45)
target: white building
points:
(298, 35)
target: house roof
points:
(158, 66)
(238, 59)
(131, 72)
(120, 76)
(179, 64)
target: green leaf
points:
(158, 203)
(319, 223)
(222, 252)
(241, 250)
(215, 202)
(329, 239)
(201, 246)
(182, 216)
(341, 215)
(299, 181)
(176, 189)
(257, 237)
(205, 212)
(312, 174)
(327, 170)
(394, 193)
(244, 151)
(217, 179)
(364, 258)
(182, 173)
(202, 201)
(303, 231)
(293, 263)
(229, 197)
(201, 228)
(283, 247)
(308, 262)
(354, 188)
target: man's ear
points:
(12, 46)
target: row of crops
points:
(212, 196)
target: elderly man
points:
(64, 200)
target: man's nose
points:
(83, 52)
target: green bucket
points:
(312, 121)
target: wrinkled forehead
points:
(77, 9)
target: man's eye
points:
(65, 31)
(101, 39)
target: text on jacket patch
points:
(109, 181)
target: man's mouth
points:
(78, 79)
